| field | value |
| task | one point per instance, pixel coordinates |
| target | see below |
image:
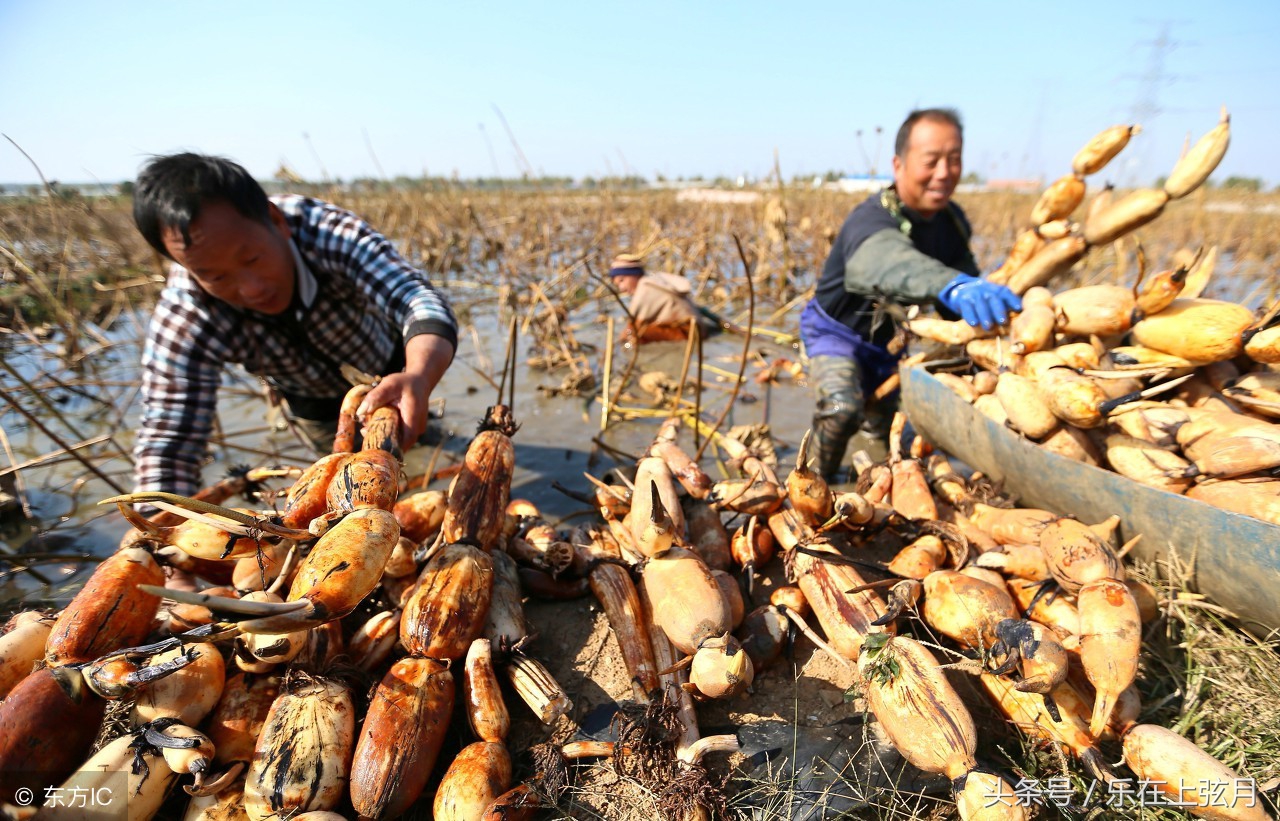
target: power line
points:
(1146, 106)
(493, 158)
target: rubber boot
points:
(832, 429)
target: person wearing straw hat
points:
(661, 304)
(289, 287)
(907, 244)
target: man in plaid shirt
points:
(289, 287)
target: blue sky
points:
(90, 89)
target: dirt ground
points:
(800, 695)
(800, 715)
(578, 646)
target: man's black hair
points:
(937, 115)
(171, 189)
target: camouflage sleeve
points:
(887, 264)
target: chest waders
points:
(841, 382)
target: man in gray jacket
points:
(907, 244)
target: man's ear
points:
(278, 220)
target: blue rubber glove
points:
(979, 302)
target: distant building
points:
(859, 183)
(38, 190)
(718, 196)
(1016, 186)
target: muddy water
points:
(560, 436)
(554, 443)
(96, 401)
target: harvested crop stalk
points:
(806, 489)
(1110, 625)
(186, 751)
(47, 726)
(538, 688)
(373, 641)
(672, 679)
(1054, 259)
(966, 609)
(681, 465)
(401, 737)
(308, 497)
(1022, 561)
(918, 708)
(846, 618)
(1190, 776)
(707, 534)
(1110, 641)
(486, 711)
(655, 491)
(449, 606)
(1102, 148)
(478, 775)
(1157, 292)
(109, 612)
(479, 494)
(1059, 200)
(1067, 725)
(1012, 525)
(21, 647)
(236, 721)
(187, 694)
(1198, 330)
(1197, 164)
(149, 779)
(303, 755)
(1027, 245)
(1124, 215)
(1024, 406)
(752, 547)
(1105, 310)
(617, 594)
(505, 625)
(421, 514)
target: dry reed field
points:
(76, 282)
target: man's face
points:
(926, 177)
(238, 260)
(626, 283)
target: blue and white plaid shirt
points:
(357, 302)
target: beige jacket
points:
(662, 299)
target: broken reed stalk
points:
(57, 440)
(19, 484)
(606, 405)
(512, 354)
(20, 488)
(785, 269)
(746, 348)
(569, 357)
(431, 464)
(52, 455)
(34, 280)
(684, 366)
(49, 407)
(631, 322)
(697, 400)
